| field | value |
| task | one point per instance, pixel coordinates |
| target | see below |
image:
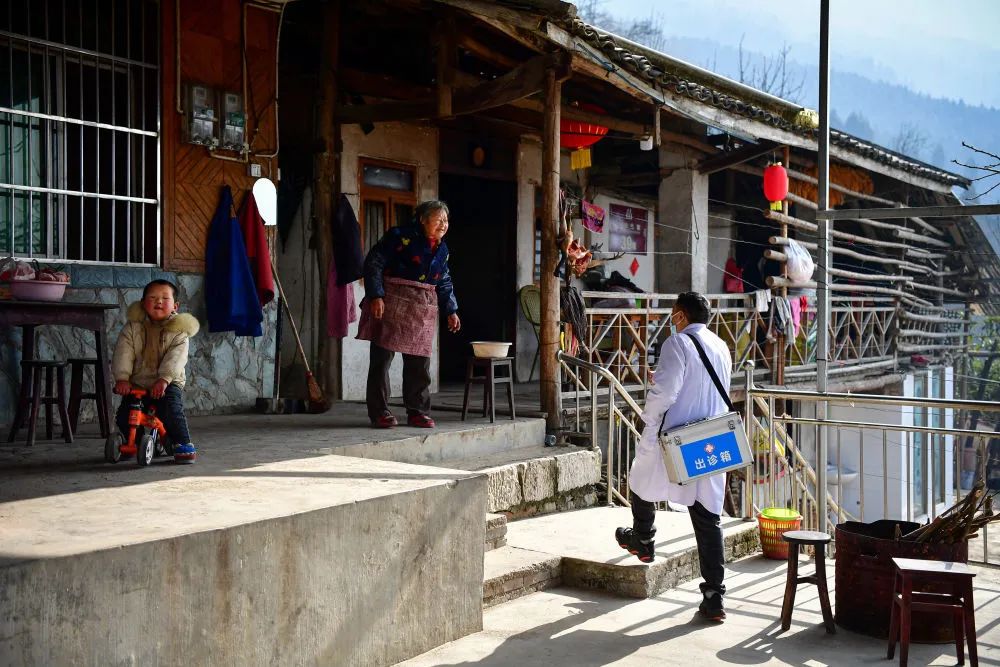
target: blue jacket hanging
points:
(230, 294)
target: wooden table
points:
(89, 316)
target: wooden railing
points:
(624, 332)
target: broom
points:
(317, 401)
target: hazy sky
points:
(945, 49)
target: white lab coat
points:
(684, 391)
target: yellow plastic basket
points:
(773, 522)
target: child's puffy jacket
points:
(129, 361)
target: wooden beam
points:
(911, 236)
(837, 250)
(939, 290)
(517, 84)
(372, 84)
(629, 180)
(489, 55)
(447, 57)
(548, 344)
(844, 236)
(721, 161)
(778, 281)
(919, 211)
(325, 163)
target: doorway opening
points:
(482, 243)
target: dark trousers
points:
(707, 533)
(170, 410)
(416, 383)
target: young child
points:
(151, 353)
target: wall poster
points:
(629, 225)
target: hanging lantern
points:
(775, 185)
(580, 136)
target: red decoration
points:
(634, 266)
(775, 185)
(577, 134)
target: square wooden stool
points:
(489, 381)
(953, 577)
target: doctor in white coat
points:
(683, 391)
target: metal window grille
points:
(80, 130)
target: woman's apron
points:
(409, 323)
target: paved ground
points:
(225, 443)
(587, 629)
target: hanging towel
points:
(796, 306)
(230, 294)
(341, 309)
(346, 235)
(258, 254)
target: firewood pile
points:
(961, 521)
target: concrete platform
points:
(591, 559)
(273, 549)
(591, 629)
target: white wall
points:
(721, 231)
(529, 176)
(414, 145)
(645, 277)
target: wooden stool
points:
(76, 393)
(30, 394)
(795, 539)
(489, 382)
(954, 576)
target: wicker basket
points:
(773, 522)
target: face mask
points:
(673, 326)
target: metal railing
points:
(911, 467)
(608, 401)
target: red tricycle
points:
(144, 446)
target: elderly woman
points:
(406, 282)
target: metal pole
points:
(823, 234)
(748, 424)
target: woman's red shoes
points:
(385, 421)
(420, 421)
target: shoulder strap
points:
(711, 370)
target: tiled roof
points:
(681, 78)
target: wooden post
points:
(446, 56)
(549, 334)
(779, 371)
(325, 172)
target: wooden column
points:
(779, 371)
(325, 173)
(549, 334)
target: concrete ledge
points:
(496, 531)
(437, 446)
(591, 559)
(510, 573)
(543, 483)
(326, 560)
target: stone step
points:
(584, 542)
(510, 573)
(496, 531)
(536, 480)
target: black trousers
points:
(416, 383)
(707, 534)
(170, 410)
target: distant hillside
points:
(886, 107)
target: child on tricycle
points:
(148, 368)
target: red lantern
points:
(580, 135)
(775, 185)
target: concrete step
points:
(536, 480)
(510, 573)
(496, 531)
(590, 558)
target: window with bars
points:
(388, 198)
(79, 130)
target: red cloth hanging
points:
(732, 279)
(255, 240)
